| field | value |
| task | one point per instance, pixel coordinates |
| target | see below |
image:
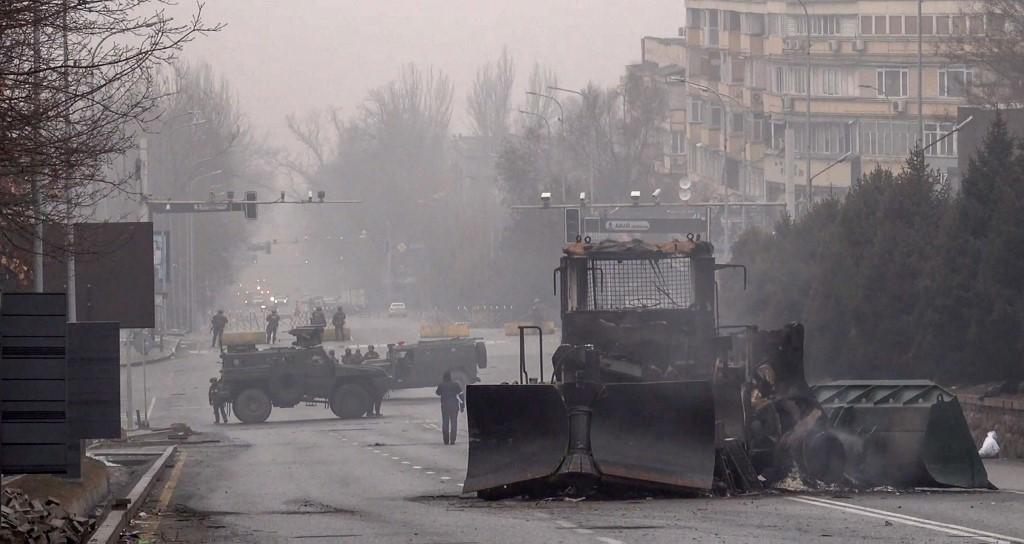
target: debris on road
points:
(989, 448)
(25, 520)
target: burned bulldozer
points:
(646, 390)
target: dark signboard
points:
(94, 380)
(33, 386)
(114, 272)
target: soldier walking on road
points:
(272, 322)
(357, 357)
(218, 399)
(452, 402)
(338, 320)
(217, 324)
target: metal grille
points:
(636, 284)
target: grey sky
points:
(284, 56)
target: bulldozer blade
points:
(517, 433)
(908, 433)
(661, 433)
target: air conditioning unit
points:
(834, 46)
(787, 103)
(899, 106)
(792, 44)
(859, 46)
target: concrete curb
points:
(109, 530)
(170, 355)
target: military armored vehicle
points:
(648, 389)
(423, 364)
(282, 377)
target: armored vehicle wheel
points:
(350, 401)
(252, 406)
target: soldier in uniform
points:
(273, 319)
(371, 353)
(218, 399)
(217, 324)
(346, 359)
(357, 357)
(338, 320)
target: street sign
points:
(596, 225)
(572, 225)
(194, 207)
(94, 380)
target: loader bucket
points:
(662, 433)
(517, 433)
(903, 433)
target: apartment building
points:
(739, 122)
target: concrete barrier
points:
(443, 330)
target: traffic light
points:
(572, 225)
(250, 209)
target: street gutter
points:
(109, 530)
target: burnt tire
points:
(350, 401)
(252, 406)
(480, 354)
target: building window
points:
(942, 25)
(932, 133)
(774, 27)
(695, 18)
(954, 82)
(867, 25)
(910, 25)
(736, 123)
(895, 24)
(831, 82)
(696, 113)
(928, 25)
(880, 26)
(716, 117)
(976, 25)
(821, 25)
(893, 82)
(678, 143)
(712, 35)
(959, 25)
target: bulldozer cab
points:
(645, 307)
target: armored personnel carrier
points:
(257, 380)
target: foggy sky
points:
(289, 56)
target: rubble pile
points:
(30, 521)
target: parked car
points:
(397, 309)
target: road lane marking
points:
(417, 467)
(406, 463)
(168, 491)
(376, 451)
(948, 528)
(430, 472)
(396, 458)
(1012, 491)
(607, 540)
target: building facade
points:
(738, 126)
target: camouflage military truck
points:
(258, 380)
(424, 363)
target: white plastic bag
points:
(989, 448)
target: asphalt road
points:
(306, 476)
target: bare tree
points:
(490, 99)
(75, 77)
(992, 42)
(541, 78)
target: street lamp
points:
(534, 114)
(807, 134)
(725, 118)
(561, 111)
(564, 90)
(583, 97)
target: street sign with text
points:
(596, 225)
(194, 207)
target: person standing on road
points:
(346, 359)
(217, 324)
(317, 318)
(218, 399)
(371, 353)
(273, 319)
(357, 357)
(338, 320)
(452, 402)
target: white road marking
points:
(430, 472)
(1012, 491)
(443, 478)
(948, 528)
(376, 451)
(396, 458)
(565, 524)
(460, 485)
(149, 413)
(406, 463)
(417, 467)
(607, 540)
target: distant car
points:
(397, 309)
